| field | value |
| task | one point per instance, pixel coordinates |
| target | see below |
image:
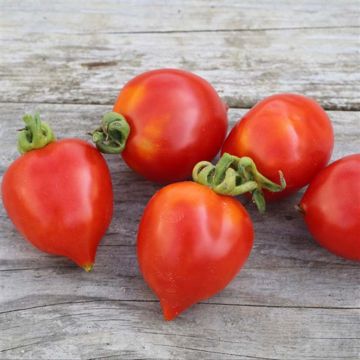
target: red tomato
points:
(191, 243)
(286, 132)
(331, 206)
(60, 198)
(176, 119)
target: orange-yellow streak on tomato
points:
(131, 96)
(149, 141)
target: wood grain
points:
(87, 59)
(288, 284)
(85, 16)
(68, 59)
(133, 330)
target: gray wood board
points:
(291, 300)
(84, 16)
(68, 59)
(133, 330)
(83, 53)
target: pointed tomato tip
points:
(88, 267)
(169, 312)
(299, 208)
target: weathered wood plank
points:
(133, 330)
(45, 61)
(293, 300)
(83, 16)
(286, 267)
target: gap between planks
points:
(199, 303)
(144, 32)
(242, 106)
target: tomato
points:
(191, 244)
(176, 119)
(331, 207)
(286, 132)
(60, 198)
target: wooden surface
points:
(68, 59)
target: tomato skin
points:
(331, 206)
(60, 198)
(176, 118)
(191, 244)
(286, 132)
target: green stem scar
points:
(35, 135)
(235, 176)
(111, 136)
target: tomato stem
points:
(300, 209)
(88, 267)
(235, 176)
(35, 135)
(111, 136)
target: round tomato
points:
(60, 198)
(286, 132)
(191, 244)
(176, 119)
(331, 207)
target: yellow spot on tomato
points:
(153, 136)
(129, 98)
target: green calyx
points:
(111, 136)
(235, 176)
(35, 135)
